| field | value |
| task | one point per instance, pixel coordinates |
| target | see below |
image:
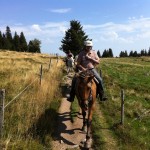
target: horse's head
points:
(85, 83)
(85, 78)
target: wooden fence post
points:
(57, 59)
(122, 107)
(2, 98)
(41, 73)
(49, 64)
(100, 73)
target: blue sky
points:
(117, 24)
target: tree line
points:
(109, 53)
(18, 42)
(135, 53)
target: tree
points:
(9, 39)
(125, 54)
(121, 54)
(34, 46)
(131, 54)
(135, 54)
(74, 38)
(23, 43)
(142, 52)
(1, 40)
(16, 42)
(98, 53)
(105, 53)
(149, 52)
(110, 52)
(4, 41)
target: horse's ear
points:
(90, 78)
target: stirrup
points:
(69, 98)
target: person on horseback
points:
(87, 60)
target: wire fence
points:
(2, 95)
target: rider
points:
(87, 60)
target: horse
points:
(86, 95)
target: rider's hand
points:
(84, 69)
(88, 57)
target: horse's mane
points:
(84, 74)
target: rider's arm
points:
(80, 66)
(95, 59)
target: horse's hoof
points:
(88, 144)
(84, 129)
(83, 141)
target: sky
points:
(117, 24)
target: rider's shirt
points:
(86, 63)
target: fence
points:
(2, 95)
(122, 103)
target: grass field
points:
(132, 75)
(30, 119)
(27, 123)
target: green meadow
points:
(133, 76)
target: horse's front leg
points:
(89, 123)
(84, 120)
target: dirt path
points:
(69, 135)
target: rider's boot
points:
(102, 96)
(71, 97)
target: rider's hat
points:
(88, 43)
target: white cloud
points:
(133, 29)
(63, 10)
(36, 27)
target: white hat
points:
(88, 43)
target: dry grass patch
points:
(30, 118)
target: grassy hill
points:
(31, 117)
(132, 75)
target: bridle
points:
(88, 101)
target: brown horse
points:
(86, 95)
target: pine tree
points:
(34, 46)
(23, 43)
(104, 53)
(142, 52)
(121, 54)
(16, 42)
(4, 42)
(9, 39)
(110, 53)
(1, 40)
(98, 53)
(125, 54)
(135, 54)
(149, 52)
(74, 38)
(145, 53)
(131, 54)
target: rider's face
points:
(88, 48)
